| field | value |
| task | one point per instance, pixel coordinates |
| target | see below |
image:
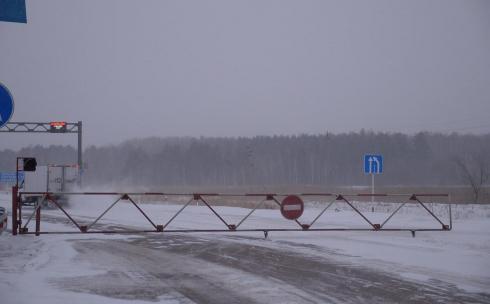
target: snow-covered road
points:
(312, 267)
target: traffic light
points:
(57, 127)
(30, 164)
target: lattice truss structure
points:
(48, 200)
(42, 127)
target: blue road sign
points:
(13, 11)
(9, 177)
(6, 105)
(373, 164)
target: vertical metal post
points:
(14, 210)
(80, 162)
(38, 219)
(372, 187)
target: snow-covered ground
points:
(29, 264)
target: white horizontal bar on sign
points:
(292, 207)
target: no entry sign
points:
(292, 207)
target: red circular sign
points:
(292, 207)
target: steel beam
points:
(230, 227)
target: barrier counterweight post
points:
(14, 210)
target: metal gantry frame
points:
(45, 127)
(22, 228)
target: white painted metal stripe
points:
(292, 207)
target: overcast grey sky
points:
(242, 68)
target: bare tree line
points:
(325, 159)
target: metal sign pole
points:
(372, 187)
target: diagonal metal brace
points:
(142, 212)
(342, 198)
(394, 212)
(215, 213)
(322, 212)
(250, 213)
(103, 213)
(49, 198)
(415, 198)
(38, 206)
(178, 212)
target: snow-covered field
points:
(29, 265)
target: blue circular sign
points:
(6, 105)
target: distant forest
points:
(327, 159)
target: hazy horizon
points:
(221, 68)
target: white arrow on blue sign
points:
(6, 105)
(373, 164)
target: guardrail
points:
(205, 198)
